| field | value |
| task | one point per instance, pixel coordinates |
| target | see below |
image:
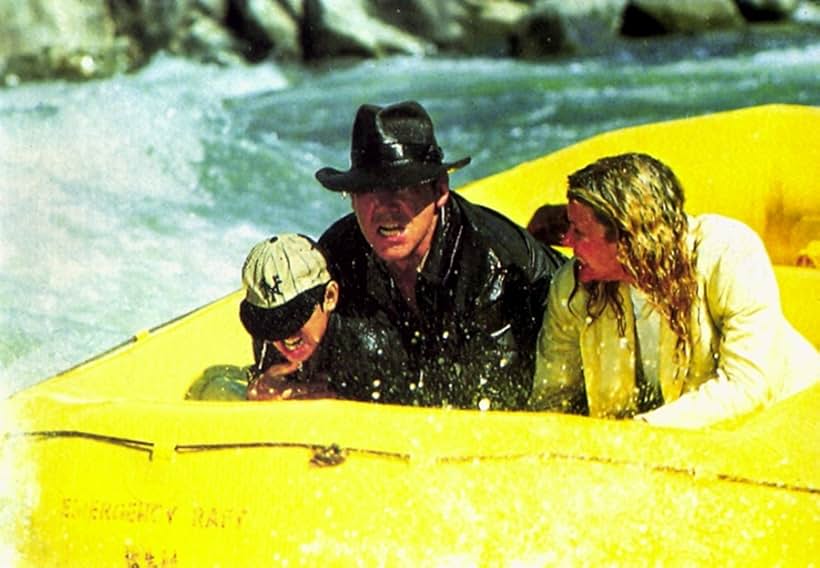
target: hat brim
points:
(278, 323)
(364, 180)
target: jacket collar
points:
(440, 261)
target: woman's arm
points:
(558, 383)
(743, 301)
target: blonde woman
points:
(671, 319)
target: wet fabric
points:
(745, 354)
(355, 358)
(480, 298)
(647, 352)
(220, 382)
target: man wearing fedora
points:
(464, 286)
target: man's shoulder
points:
(344, 245)
(338, 235)
(347, 253)
(481, 215)
(508, 240)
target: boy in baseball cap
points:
(289, 299)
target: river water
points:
(129, 201)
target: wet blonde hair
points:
(640, 202)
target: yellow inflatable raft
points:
(108, 465)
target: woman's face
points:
(596, 255)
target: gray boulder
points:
(429, 20)
(767, 10)
(82, 39)
(656, 17)
(269, 28)
(353, 28)
(489, 27)
(192, 28)
(554, 26)
(72, 39)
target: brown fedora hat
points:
(391, 147)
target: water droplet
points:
(87, 65)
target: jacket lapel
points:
(671, 384)
(609, 362)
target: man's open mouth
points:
(393, 230)
(292, 343)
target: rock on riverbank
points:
(84, 39)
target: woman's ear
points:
(331, 296)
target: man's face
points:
(399, 224)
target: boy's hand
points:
(272, 385)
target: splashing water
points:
(129, 201)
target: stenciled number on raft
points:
(135, 558)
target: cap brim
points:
(277, 323)
(376, 179)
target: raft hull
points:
(418, 487)
(108, 465)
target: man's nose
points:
(387, 199)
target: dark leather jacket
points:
(481, 297)
(354, 358)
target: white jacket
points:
(745, 355)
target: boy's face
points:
(301, 346)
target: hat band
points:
(395, 154)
